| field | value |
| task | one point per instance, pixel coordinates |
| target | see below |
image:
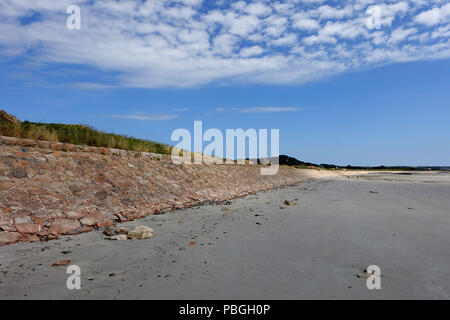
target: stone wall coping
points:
(62, 146)
(68, 147)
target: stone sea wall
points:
(48, 189)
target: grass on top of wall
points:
(78, 134)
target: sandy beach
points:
(252, 248)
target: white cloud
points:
(328, 12)
(185, 43)
(288, 39)
(306, 24)
(267, 109)
(348, 29)
(258, 9)
(275, 25)
(251, 51)
(92, 86)
(243, 25)
(442, 32)
(434, 16)
(312, 40)
(180, 12)
(401, 34)
(191, 2)
(224, 44)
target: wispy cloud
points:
(92, 86)
(182, 109)
(267, 109)
(157, 117)
(236, 110)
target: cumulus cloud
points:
(306, 24)
(251, 51)
(188, 43)
(401, 34)
(434, 16)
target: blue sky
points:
(339, 91)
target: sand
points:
(316, 249)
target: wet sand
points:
(315, 249)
